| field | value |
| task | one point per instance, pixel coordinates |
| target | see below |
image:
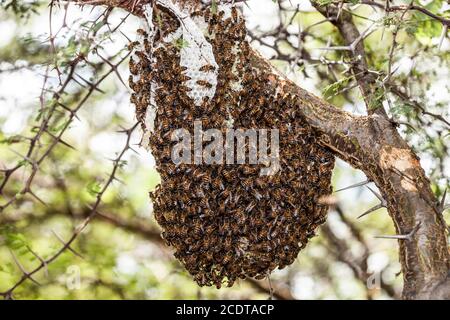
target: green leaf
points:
(94, 188)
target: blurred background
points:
(69, 151)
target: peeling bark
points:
(372, 144)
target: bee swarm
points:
(226, 221)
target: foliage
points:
(70, 81)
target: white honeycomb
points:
(149, 121)
(226, 8)
(196, 52)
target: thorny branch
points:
(79, 229)
(370, 143)
(390, 8)
(358, 264)
(148, 232)
(40, 150)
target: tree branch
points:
(343, 20)
(444, 21)
(372, 144)
(396, 170)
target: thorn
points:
(406, 124)
(129, 40)
(68, 246)
(122, 130)
(113, 67)
(27, 159)
(359, 184)
(134, 150)
(407, 237)
(353, 45)
(442, 37)
(383, 202)
(403, 175)
(378, 206)
(44, 263)
(442, 206)
(92, 85)
(337, 48)
(119, 180)
(341, 5)
(72, 112)
(25, 273)
(36, 197)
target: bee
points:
(209, 256)
(147, 45)
(177, 68)
(218, 284)
(166, 153)
(235, 229)
(191, 210)
(204, 202)
(198, 228)
(206, 179)
(228, 243)
(207, 15)
(247, 78)
(234, 14)
(260, 277)
(197, 174)
(165, 124)
(217, 183)
(204, 83)
(240, 217)
(205, 120)
(131, 83)
(134, 98)
(184, 78)
(188, 118)
(183, 89)
(142, 32)
(156, 139)
(254, 112)
(225, 24)
(133, 66)
(169, 216)
(170, 168)
(168, 111)
(250, 207)
(222, 207)
(185, 185)
(142, 56)
(170, 183)
(229, 175)
(133, 45)
(249, 170)
(247, 183)
(190, 261)
(207, 68)
(209, 230)
(227, 258)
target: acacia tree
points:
(370, 142)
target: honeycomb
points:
(225, 221)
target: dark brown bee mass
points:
(226, 221)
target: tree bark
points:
(372, 144)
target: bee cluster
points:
(227, 221)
